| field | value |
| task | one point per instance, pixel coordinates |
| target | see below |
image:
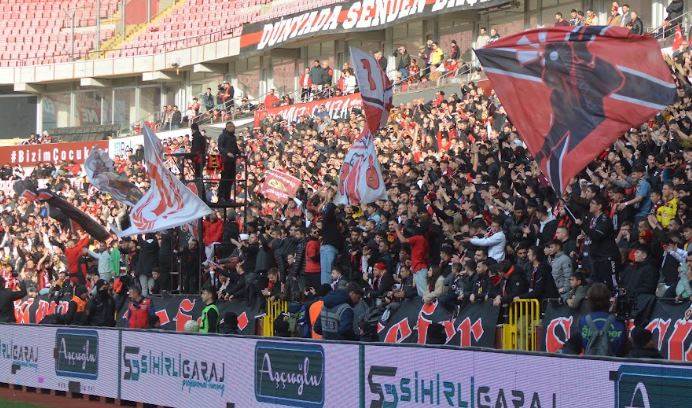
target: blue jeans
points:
(327, 256)
(420, 278)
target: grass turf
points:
(13, 404)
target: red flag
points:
(279, 187)
(677, 40)
(571, 92)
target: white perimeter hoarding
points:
(212, 371)
(79, 360)
(424, 377)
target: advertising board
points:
(64, 359)
(415, 377)
(214, 371)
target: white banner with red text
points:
(338, 107)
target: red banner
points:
(337, 108)
(278, 186)
(32, 155)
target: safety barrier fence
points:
(520, 333)
(183, 370)
(274, 309)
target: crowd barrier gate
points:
(274, 309)
(520, 332)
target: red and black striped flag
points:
(571, 92)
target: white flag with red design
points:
(375, 89)
(168, 203)
(360, 177)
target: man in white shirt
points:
(494, 240)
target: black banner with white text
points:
(366, 15)
(474, 325)
(669, 324)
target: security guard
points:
(209, 321)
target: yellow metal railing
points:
(274, 309)
(520, 331)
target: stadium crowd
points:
(469, 219)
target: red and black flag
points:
(571, 92)
(61, 210)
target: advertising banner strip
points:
(338, 107)
(187, 370)
(56, 153)
(349, 16)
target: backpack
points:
(599, 344)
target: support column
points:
(39, 114)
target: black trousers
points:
(605, 271)
(227, 179)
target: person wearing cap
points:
(382, 280)
(639, 280)
(643, 344)
(77, 308)
(209, 320)
(641, 200)
(336, 320)
(102, 306)
(7, 298)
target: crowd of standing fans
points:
(469, 218)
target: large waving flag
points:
(375, 88)
(571, 92)
(100, 171)
(360, 177)
(168, 203)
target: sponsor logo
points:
(390, 391)
(194, 374)
(289, 374)
(652, 386)
(20, 355)
(76, 353)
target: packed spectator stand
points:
(467, 205)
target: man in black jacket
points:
(541, 283)
(199, 150)
(638, 283)
(602, 249)
(228, 148)
(7, 298)
(102, 306)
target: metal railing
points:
(520, 331)
(667, 29)
(274, 310)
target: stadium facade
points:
(268, 48)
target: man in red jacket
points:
(72, 253)
(140, 311)
(312, 260)
(212, 234)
